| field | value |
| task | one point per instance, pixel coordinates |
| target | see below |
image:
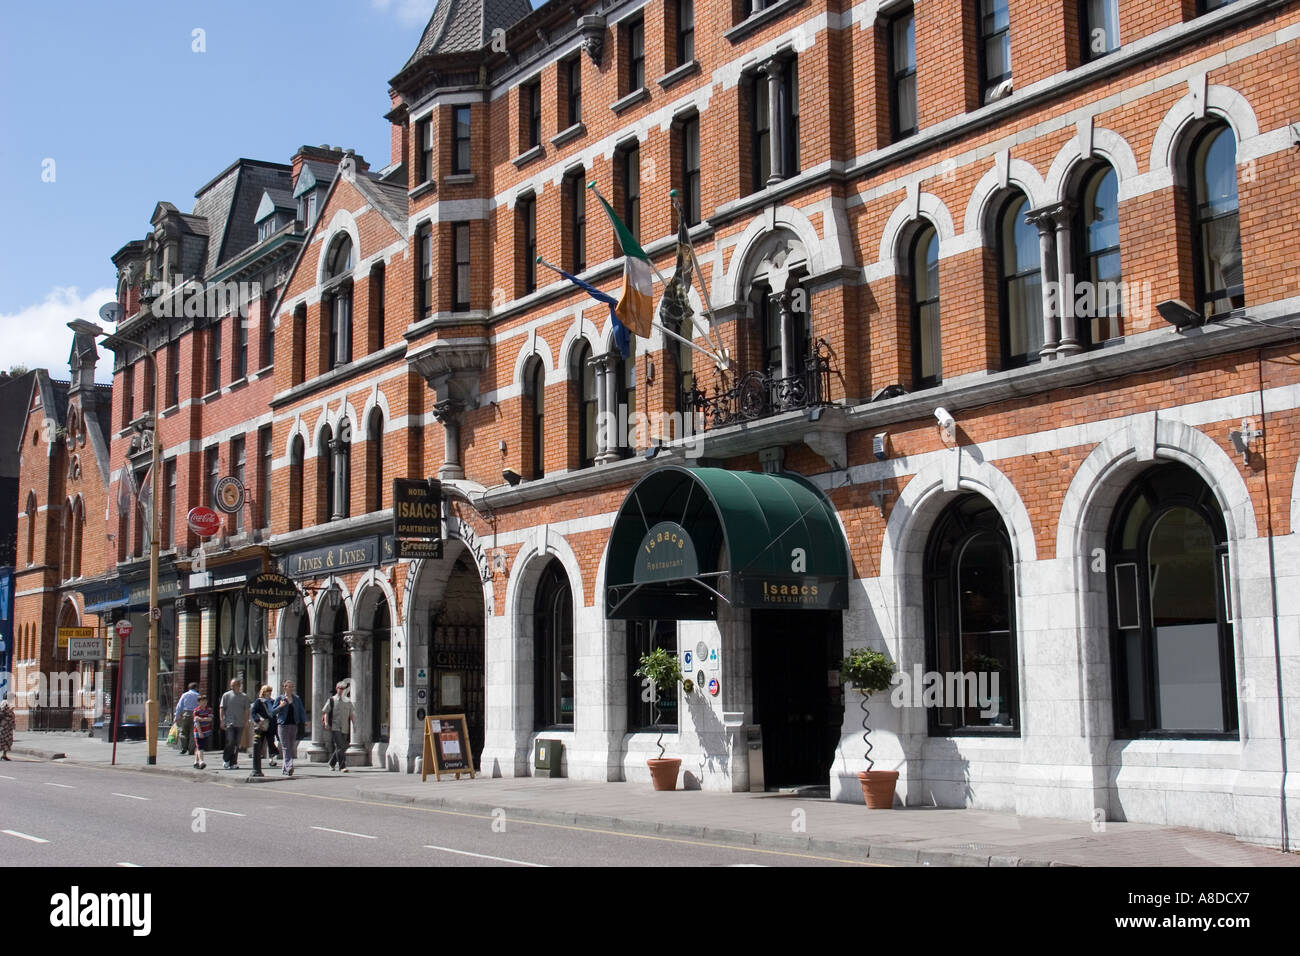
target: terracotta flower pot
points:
(663, 772)
(878, 788)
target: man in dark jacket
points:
(289, 713)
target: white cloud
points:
(409, 13)
(38, 336)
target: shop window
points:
(553, 649)
(1171, 617)
(970, 620)
(642, 637)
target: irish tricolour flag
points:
(635, 307)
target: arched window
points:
(553, 649)
(625, 389)
(375, 460)
(1216, 232)
(1098, 306)
(970, 618)
(30, 513)
(1171, 616)
(923, 273)
(325, 509)
(1020, 280)
(78, 524)
(296, 450)
(337, 292)
(342, 470)
(65, 563)
(582, 378)
(535, 415)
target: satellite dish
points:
(110, 312)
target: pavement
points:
(915, 836)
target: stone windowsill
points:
(573, 132)
(633, 98)
(458, 179)
(756, 21)
(679, 74)
(422, 189)
(526, 157)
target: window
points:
(325, 487)
(575, 196)
(533, 104)
(424, 143)
(790, 117)
(1100, 33)
(1020, 297)
(1098, 315)
(625, 391)
(296, 454)
(685, 31)
(338, 271)
(424, 242)
(1216, 232)
(774, 152)
(631, 169)
(237, 469)
(173, 373)
(902, 75)
(683, 370)
(760, 132)
(212, 469)
(298, 342)
(527, 219)
(150, 385)
(642, 637)
(268, 330)
(266, 228)
(923, 267)
(1171, 630)
(239, 361)
(970, 620)
(214, 355)
(128, 394)
(690, 143)
(307, 209)
(553, 648)
(375, 460)
(1205, 6)
(573, 75)
(264, 460)
(635, 39)
(460, 158)
(535, 410)
(460, 274)
(378, 290)
(995, 46)
(167, 533)
(582, 375)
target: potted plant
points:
(664, 672)
(871, 671)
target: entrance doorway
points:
(798, 700)
(456, 653)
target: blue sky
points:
(113, 103)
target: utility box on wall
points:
(546, 758)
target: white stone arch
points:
(820, 256)
(374, 584)
(346, 606)
(1006, 173)
(925, 207)
(1220, 101)
(1105, 144)
(341, 221)
(584, 329)
(376, 399)
(535, 346)
(298, 429)
(74, 617)
(532, 554)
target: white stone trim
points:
(1221, 101)
(1007, 173)
(1095, 143)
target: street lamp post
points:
(151, 704)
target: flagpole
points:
(704, 291)
(662, 328)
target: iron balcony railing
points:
(763, 394)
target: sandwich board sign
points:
(446, 747)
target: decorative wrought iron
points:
(763, 394)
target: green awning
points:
(687, 537)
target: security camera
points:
(881, 446)
(947, 423)
(1179, 314)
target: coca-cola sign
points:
(203, 521)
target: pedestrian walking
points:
(203, 727)
(289, 715)
(337, 718)
(6, 728)
(183, 718)
(234, 715)
(264, 729)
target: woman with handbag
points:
(264, 729)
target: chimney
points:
(399, 130)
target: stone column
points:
(450, 413)
(773, 69)
(360, 648)
(322, 671)
(606, 366)
(1065, 271)
(1046, 223)
(338, 451)
(788, 369)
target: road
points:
(60, 814)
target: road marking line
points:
(65, 786)
(24, 836)
(483, 856)
(130, 796)
(346, 833)
(135, 865)
(6, 777)
(228, 813)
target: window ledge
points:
(422, 189)
(212, 395)
(679, 74)
(170, 410)
(573, 132)
(237, 383)
(526, 157)
(756, 21)
(633, 98)
(458, 179)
